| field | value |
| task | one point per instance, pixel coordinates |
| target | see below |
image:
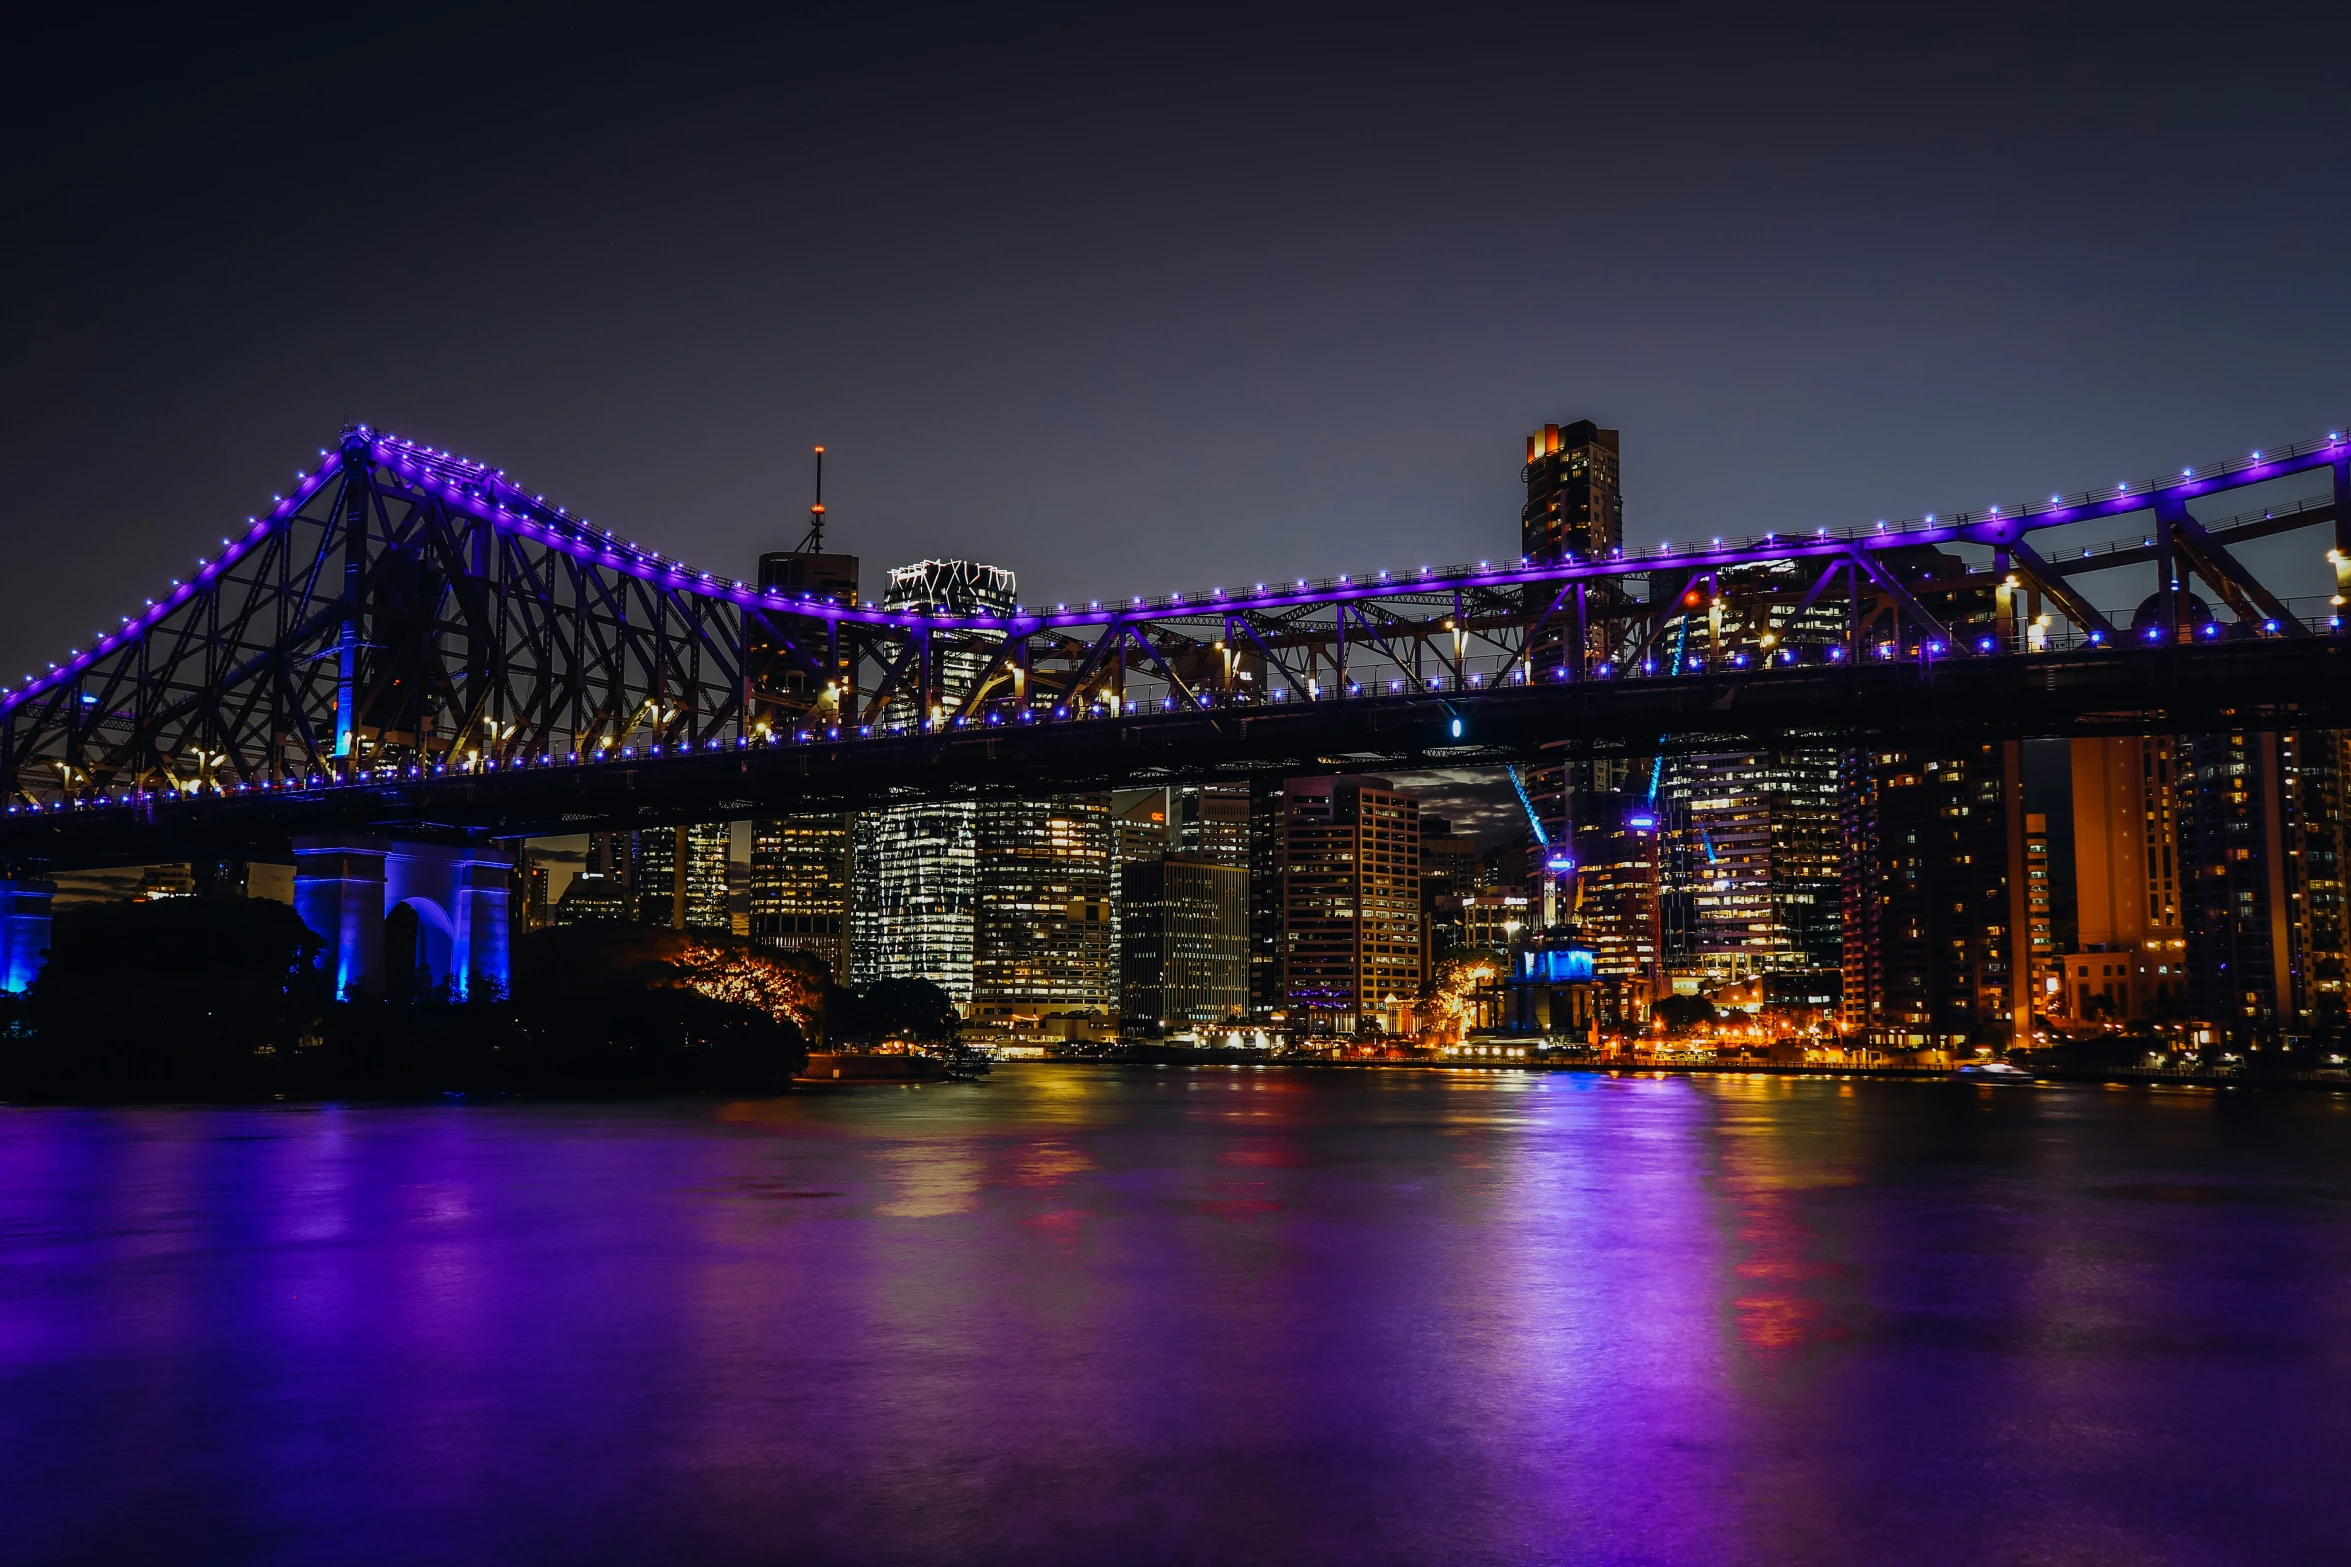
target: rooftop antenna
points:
(814, 543)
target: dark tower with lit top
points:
(1573, 501)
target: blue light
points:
(1457, 729)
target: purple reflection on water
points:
(1079, 1315)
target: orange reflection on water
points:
(1781, 1309)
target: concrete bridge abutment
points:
(347, 886)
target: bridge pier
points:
(346, 886)
(24, 932)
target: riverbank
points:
(1653, 1067)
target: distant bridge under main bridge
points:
(410, 647)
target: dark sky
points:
(1159, 299)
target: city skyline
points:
(1346, 394)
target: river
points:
(1089, 1314)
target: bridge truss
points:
(404, 615)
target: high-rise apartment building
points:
(1184, 954)
(1574, 503)
(799, 891)
(2261, 819)
(1350, 901)
(2130, 874)
(1933, 896)
(1041, 937)
(2040, 910)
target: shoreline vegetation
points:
(220, 1000)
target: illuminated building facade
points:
(784, 687)
(679, 876)
(1350, 902)
(2130, 873)
(1753, 873)
(914, 869)
(799, 888)
(1041, 918)
(2261, 821)
(1184, 953)
(1933, 896)
(1210, 821)
(1499, 918)
(1574, 501)
(914, 885)
(1617, 912)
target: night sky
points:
(1169, 299)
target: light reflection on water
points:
(1080, 1314)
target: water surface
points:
(1094, 1315)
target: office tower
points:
(2129, 879)
(2261, 824)
(1615, 907)
(801, 678)
(914, 869)
(1935, 923)
(1139, 824)
(914, 883)
(1210, 821)
(653, 874)
(799, 875)
(1753, 867)
(1497, 919)
(679, 876)
(1350, 901)
(1184, 954)
(799, 895)
(592, 897)
(1041, 914)
(1574, 504)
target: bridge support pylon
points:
(346, 886)
(24, 932)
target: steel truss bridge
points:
(409, 643)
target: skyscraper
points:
(1184, 953)
(915, 883)
(799, 895)
(914, 869)
(1350, 901)
(2262, 828)
(1573, 503)
(679, 876)
(1210, 821)
(2129, 876)
(1616, 909)
(1041, 916)
(1754, 862)
(800, 865)
(1935, 919)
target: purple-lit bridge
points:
(411, 645)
